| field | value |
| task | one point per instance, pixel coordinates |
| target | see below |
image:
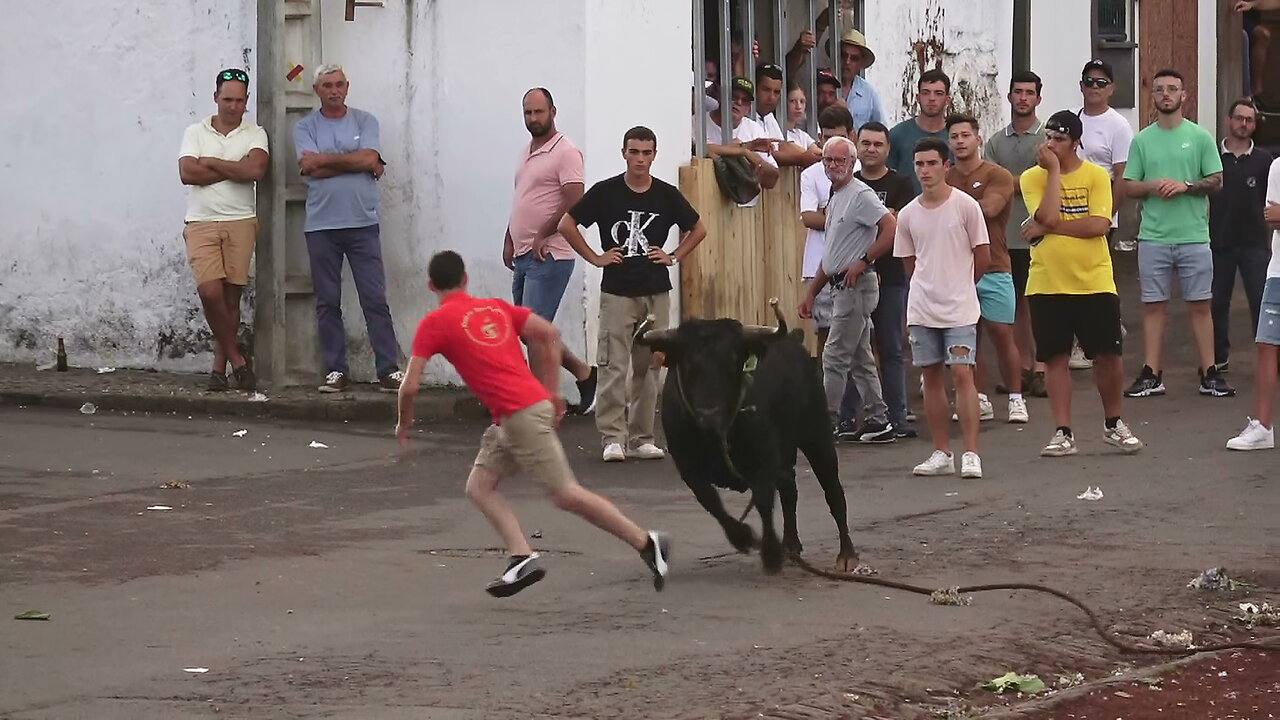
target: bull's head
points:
(709, 359)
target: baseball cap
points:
(826, 76)
(1100, 65)
(745, 85)
(1065, 122)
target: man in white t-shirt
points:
(1107, 134)
(221, 158)
(1259, 433)
(815, 191)
(749, 139)
(942, 240)
(795, 147)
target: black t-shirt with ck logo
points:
(634, 222)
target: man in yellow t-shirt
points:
(1071, 290)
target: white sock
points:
(1014, 396)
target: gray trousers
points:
(847, 353)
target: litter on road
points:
(32, 615)
(1090, 493)
(159, 507)
(316, 444)
(240, 433)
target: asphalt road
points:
(347, 581)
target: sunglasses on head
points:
(237, 75)
(1095, 82)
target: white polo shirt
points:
(225, 200)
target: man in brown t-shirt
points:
(992, 186)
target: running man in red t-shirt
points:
(481, 338)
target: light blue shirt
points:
(864, 103)
(349, 200)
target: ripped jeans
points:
(953, 346)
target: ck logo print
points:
(629, 233)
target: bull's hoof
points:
(793, 547)
(847, 562)
(741, 537)
(771, 555)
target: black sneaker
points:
(587, 393)
(656, 553)
(521, 573)
(245, 379)
(217, 382)
(874, 432)
(846, 431)
(1213, 383)
(905, 432)
(1147, 384)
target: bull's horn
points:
(777, 312)
(656, 336)
(640, 329)
(757, 332)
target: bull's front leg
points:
(788, 496)
(821, 453)
(698, 477)
(764, 485)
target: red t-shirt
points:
(481, 338)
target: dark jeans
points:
(889, 319)
(1252, 265)
(363, 250)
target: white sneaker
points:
(1061, 444)
(1078, 361)
(613, 453)
(1254, 436)
(1018, 411)
(647, 451)
(1122, 437)
(970, 465)
(939, 463)
(986, 411)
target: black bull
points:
(738, 403)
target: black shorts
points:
(1021, 262)
(1058, 320)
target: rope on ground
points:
(1270, 644)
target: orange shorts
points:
(221, 250)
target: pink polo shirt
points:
(540, 180)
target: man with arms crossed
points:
(992, 186)
(1071, 287)
(942, 240)
(548, 182)
(221, 158)
(1014, 149)
(1174, 164)
(634, 212)
(481, 338)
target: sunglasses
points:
(1095, 82)
(237, 75)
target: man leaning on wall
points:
(338, 156)
(221, 158)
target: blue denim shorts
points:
(540, 285)
(931, 346)
(1269, 317)
(1159, 261)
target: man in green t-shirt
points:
(1174, 165)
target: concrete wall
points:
(93, 232)
(90, 194)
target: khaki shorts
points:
(527, 441)
(221, 250)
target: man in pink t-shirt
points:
(481, 338)
(942, 240)
(548, 183)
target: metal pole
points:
(836, 69)
(748, 42)
(725, 77)
(811, 89)
(699, 79)
(780, 52)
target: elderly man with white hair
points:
(858, 230)
(338, 156)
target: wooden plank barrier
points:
(749, 254)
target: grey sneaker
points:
(1148, 383)
(1122, 437)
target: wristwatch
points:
(674, 260)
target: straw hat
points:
(853, 37)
